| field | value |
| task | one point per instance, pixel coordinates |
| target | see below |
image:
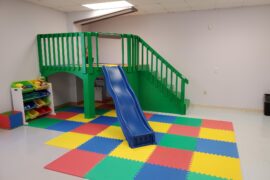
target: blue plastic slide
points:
(133, 122)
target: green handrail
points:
(68, 51)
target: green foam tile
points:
(114, 168)
(196, 176)
(101, 111)
(117, 124)
(179, 142)
(188, 121)
(43, 122)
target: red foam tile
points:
(184, 130)
(63, 115)
(91, 129)
(148, 115)
(170, 157)
(215, 124)
(76, 162)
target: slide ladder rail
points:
(132, 120)
(137, 55)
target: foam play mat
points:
(187, 148)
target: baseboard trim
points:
(226, 107)
(69, 104)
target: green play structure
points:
(157, 84)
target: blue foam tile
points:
(65, 126)
(75, 109)
(158, 136)
(217, 147)
(162, 118)
(100, 145)
(105, 120)
(156, 172)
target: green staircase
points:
(158, 85)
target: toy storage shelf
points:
(38, 102)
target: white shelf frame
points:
(18, 104)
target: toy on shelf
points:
(33, 98)
(43, 110)
(29, 105)
(41, 102)
(39, 84)
(26, 86)
(32, 114)
(35, 95)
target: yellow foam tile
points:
(137, 154)
(215, 134)
(80, 118)
(214, 165)
(111, 113)
(69, 140)
(112, 132)
(160, 127)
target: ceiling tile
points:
(153, 6)
(256, 2)
(229, 3)
(201, 4)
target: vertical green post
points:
(166, 80)
(58, 50)
(176, 86)
(78, 50)
(83, 53)
(90, 54)
(152, 63)
(147, 58)
(68, 50)
(142, 53)
(73, 53)
(45, 52)
(63, 51)
(39, 52)
(132, 53)
(129, 52)
(182, 90)
(137, 53)
(123, 51)
(54, 52)
(156, 66)
(49, 52)
(88, 94)
(161, 71)
(97, 50)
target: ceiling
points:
(153, 6)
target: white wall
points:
(224, 53)
(20, 22)
(64, 88)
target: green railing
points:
(142, 57)
(80, 52)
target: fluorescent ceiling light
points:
(109, 5)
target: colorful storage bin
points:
(11, 120)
